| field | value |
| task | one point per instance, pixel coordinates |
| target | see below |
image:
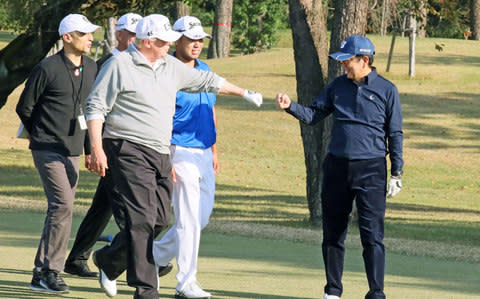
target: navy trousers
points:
(364, 181)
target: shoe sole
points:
(37, 288)
(181, 296)
(95, 275)
(167, 269)
(47, 289)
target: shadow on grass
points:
(20, 289)
(440, 59)
(427, 208)
(25, 182)
(429, 273)
(227, 294)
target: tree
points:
(182, 9)
(222, 26)
(38, 20)
(311, 63)
(350, 17)
(310, 47)
(25, 51)
(475, 19)
(256, 24)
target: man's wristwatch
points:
(398, 174)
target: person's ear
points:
(67, 37)
(366, 59)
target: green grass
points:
(239, 267)
(262, 176)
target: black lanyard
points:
(75, 93)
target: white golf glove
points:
(394, 186)
(253, 97)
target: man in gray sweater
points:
(134, 99)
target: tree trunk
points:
(311, 61)
(181, 10)
(385, 17)
(421, 32)
(476, 19)
(350, 18)
(27, 49)
(222, 26)
(109, 36)
(411, 48)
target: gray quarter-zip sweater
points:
(137, 101)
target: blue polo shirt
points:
(193, 122)
(367, 118)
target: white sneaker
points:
(326, 296)
(109, 286)
(192, 290)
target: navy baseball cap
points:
(354, 45)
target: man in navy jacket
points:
(367, 125)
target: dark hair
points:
(370, 58)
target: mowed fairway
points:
(259, 243)
(239, 267)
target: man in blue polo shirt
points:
(195, 163)
(367, 126)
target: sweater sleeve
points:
(310, 115)
(104, 91)
(193, 80)
(34, 88)
(394, 131)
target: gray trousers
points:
(59, 176)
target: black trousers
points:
(142, 183)
(363, 181)
(93, 224)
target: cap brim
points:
(132, 30)
(196, 34)
(340, 56)
(90, 28)
(169, 36)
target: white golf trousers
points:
(193, 198)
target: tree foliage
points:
(443, 18)
(256, 22)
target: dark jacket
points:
(51, 102)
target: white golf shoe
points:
(109, 286)
(326, 296)
(192, 290)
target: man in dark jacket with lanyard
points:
(50, 108)
(367, 126)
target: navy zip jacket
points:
(367, 118)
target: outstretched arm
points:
(232, 89)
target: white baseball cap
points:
(128, 22)
(191, 27)
(76, 22)
(156, 26)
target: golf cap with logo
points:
(354, 45)
(128, 22)
(76, 22)
(156, 26)
(191, 27)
